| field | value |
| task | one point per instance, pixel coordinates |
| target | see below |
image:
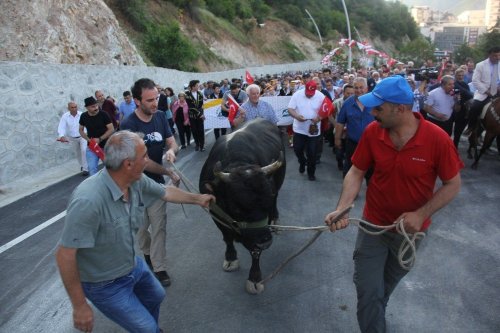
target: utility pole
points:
(349, 58)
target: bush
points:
(166, 47)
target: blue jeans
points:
(376, 273)
(92, 161)
(132, 301)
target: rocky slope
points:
(89, 32)
(63, 31)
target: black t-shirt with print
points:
(155, 133)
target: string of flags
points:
(363, 46)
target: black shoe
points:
(312, 178)
(196, 148)
(147, 258)
(183, 147)
(163, 277)
(85, 173)
(202, 149)
(302, 168)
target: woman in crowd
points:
(181, 116)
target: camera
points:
(425, 74)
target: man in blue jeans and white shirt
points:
(96, 256)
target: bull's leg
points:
(255, 276)
(274, 216)
(231, 262)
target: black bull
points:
(245, 170)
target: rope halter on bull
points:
(408, 246)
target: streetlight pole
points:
(349, 59)
(317, 29)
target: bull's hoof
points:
(231, 266)
(254, 288)
(474, 166)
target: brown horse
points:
(491, 124)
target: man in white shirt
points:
(303, 108)
(68, 131)
(441, 103)
(486, 80)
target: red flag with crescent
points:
(96, 149)
(326, 108)
(233, 108)
(248, 77)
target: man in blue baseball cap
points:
(407, 154)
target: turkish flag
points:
(233, 108)
(96, 149)
(326, 108)
(248, 77)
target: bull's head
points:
(267, 170)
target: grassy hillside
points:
(216, 34)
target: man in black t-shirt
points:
(157, 135)
(99, 128)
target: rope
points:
(408, 244)
(192, 189)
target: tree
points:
(417, 50)
(166, 47)
(488, 40)
(463, 52)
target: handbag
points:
(313, 129)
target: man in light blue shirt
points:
(127, 106)
(254, 108)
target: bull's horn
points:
(224, 176)
(269, 169)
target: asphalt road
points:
(454, 286)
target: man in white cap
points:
(407, 154)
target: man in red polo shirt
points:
(407, 154)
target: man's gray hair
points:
(361, 79)
(251, 87)
(120, 147)
(447, 78)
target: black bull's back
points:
(248, 195)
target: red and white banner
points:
(233, 108)
(96, 149)
(326, 108)
(248, 77)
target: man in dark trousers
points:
(408, 154)
(157, 136)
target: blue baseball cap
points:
(393, 89)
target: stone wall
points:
(35, 95)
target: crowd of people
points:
(380, 129)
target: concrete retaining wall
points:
(35, 95)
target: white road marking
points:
(45, 224)
(33, 231)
